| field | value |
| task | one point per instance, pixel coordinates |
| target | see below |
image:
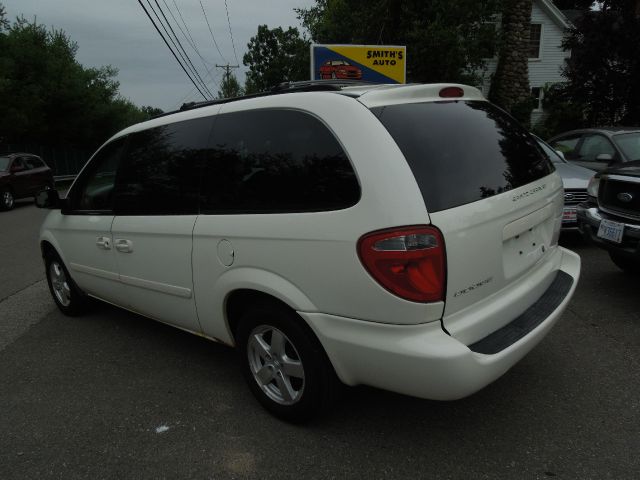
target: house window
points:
(536, 94)
(535, 33)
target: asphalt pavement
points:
(114, 395)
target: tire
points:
(626, 264)
(66, 294)
(284, 364)
(7, 201)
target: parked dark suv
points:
(611, 216)
(22, 175)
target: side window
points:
(161, 170)
(275, 161)
(567, 146)
(94, 191)
(594, 145)
(19, 163)
(34, 162)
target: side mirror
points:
(604, 157)
(48, 198)
(560, 154)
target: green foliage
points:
(48, 98)
(230, 87)
(603, 72)
(446, 41)
(562, 112)
(275, 56)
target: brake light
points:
(451, 92)
(410, 262)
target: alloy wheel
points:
(276, 365)
(60, 284)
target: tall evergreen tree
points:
(510, 84)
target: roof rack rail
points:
(284, 87)
(311, 85)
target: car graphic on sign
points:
(340, 69)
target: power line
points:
(211, 31)
(171, 50)
(230, 32)
(187, 62)
(190, 92)
(188, 37)
(181, 51)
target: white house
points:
(546, 56)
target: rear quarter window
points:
(463, 151)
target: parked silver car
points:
(599, 148)
(575, 180)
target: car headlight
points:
(594, 185)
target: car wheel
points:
(284, 364)
(625, 264)
(66, 294)
(6, 200)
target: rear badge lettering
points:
(470, 288)
(528, 193)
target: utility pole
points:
(226, 89)
(227, 68)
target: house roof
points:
(554, 13)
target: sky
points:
(118, 33)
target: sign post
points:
(373, 63)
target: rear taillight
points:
(408, 261)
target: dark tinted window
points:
(276, 161)
(20, 163)
(160, 173)
(34, 162)
(461, 152)
(94, 189)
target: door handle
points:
(104, 243)
(124, 246)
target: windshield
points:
(551, 153)
(629, 143)
(4, 163)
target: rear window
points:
(461, 152)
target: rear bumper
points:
(423, 360)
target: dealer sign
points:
(373, 63)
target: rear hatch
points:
(492, 192)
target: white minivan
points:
(398, 236)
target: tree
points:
(446, 41)
(275, 56)
(510, 83)
(230, 87)
(603, 71)
(48, 98)
(4, 23)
